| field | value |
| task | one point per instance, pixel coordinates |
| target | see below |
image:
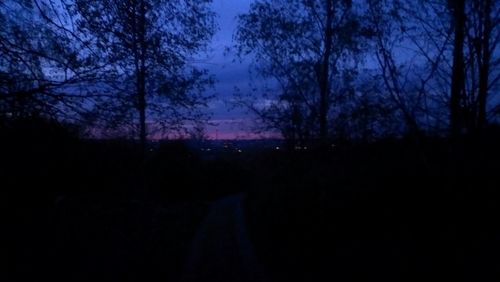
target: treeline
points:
(362, 70)
(113, 66)
(372, 69)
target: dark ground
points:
(96, 211)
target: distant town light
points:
(277, 148)
(305, 148)
(239, 151)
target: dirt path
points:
(221, 249)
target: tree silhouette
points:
(483, 43)
(306, 46)
(475, 63)
(410, 43)
(437, 61)
(457, 80)
(149, 47)
(43, 63)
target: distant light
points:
(277, 148)
(298, 147)
(333, 145)
(208, 150)
(305, 148)
(239, 151)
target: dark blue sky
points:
(230, 73)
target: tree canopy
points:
(311, 49)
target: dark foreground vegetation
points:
(87, 210)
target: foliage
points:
(287, 41)
(43, 65)
(152, 44)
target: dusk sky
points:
(230, 73)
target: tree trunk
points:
(485, 65)
(457, 79)
(141, 77)
(325, 73)
(141, 91)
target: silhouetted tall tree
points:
(484, 56)
(148, 46)
(437, 57)
(475, 63)
(305, 46)
(482, 35)
(458, 76)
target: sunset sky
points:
(230, 72)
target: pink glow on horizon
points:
(241, 135)
(217, 129)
